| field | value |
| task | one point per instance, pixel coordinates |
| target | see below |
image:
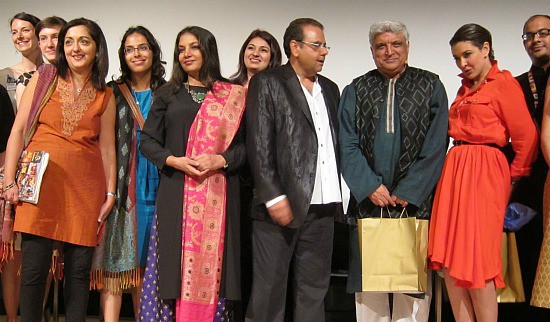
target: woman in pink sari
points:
(192, 135)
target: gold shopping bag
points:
(511, 271)
(393, 254)
(422, 253)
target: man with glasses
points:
(292, 149)
(393, 140)
(529, 190)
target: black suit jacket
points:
(281, 140)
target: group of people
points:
(150, 182)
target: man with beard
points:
(529, 190)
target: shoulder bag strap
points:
(133, 106)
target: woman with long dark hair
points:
(192, 135)
(260, 51)
(120, 259)
(68, 112)
(468, 213)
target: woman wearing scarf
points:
(120, 259)
(192, 135)
(67, 111)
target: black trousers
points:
(309, 250)
(36, 259)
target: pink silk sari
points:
(204, 203)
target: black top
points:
(529, 190)
(7, 116)
(166, 133)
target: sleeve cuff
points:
(274, 201)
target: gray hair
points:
(388, 26)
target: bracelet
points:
(112, 194)
(9, 186)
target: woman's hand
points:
(210, 162)
(185, 164)
(106, 208)
(12, 195)
(7, 209)
(104, 213)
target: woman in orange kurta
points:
(75, 125)
(471, 197)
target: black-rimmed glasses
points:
(542, 33)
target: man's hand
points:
(400, 201)
(281, 213)
(381, 197)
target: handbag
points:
(511, 271)
(517, 216)
(393, 254)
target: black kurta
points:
(165, 133)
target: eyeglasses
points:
(542, 33)
(141, 49)
(315, 45)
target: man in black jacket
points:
(293, 153)
(529, 190)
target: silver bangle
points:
(112, 194)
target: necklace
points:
(79, 90)
(197, 97)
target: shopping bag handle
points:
(404, 211)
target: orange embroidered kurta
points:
(472, 193)
(73, 187)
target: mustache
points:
(537, 43)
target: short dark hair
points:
(157, 69)
(533, 17)
(26, 17)
(241, 76)
(50, 22)
(295, 31)
(210, 69)
(475, 34)
(101, 62)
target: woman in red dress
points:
(471, 197)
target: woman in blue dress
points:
(121, 256)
